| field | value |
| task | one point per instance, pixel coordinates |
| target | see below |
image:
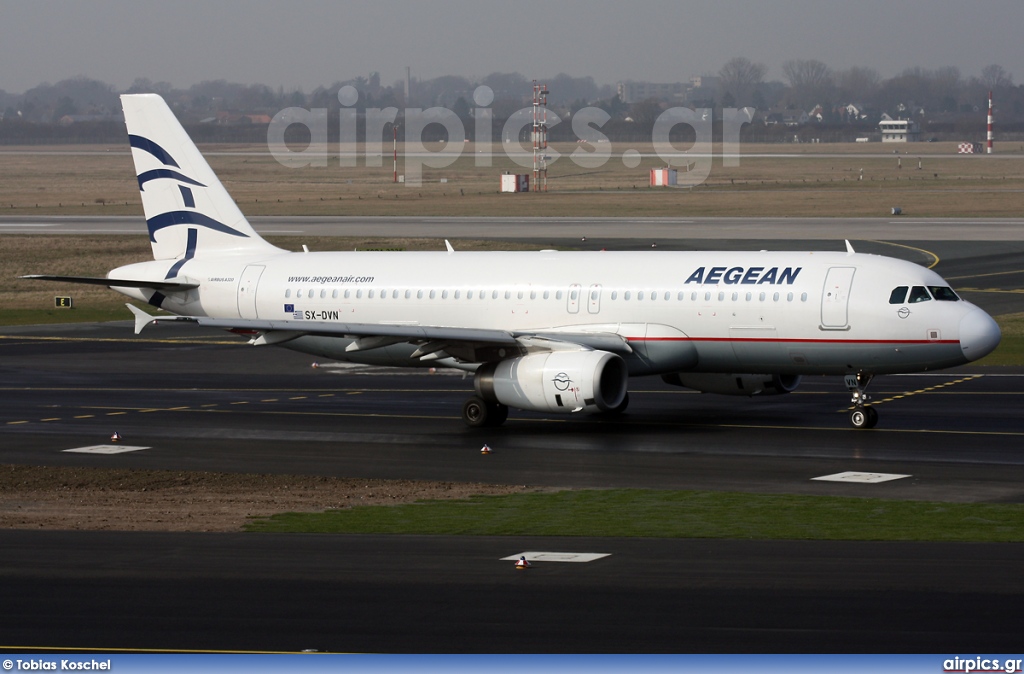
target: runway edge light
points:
(115, 437)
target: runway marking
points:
(864, 478)
(995, 273)
(16, 423)
(51, 419)
(927, 389)
(557, 556)
(919, 250)
(85, 416)
(105, 449)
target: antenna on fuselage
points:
(849, 247)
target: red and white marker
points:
(523, 563)
(485, 450)
(116, 437)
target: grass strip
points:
(671, 514)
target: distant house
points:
(795, 118)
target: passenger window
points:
(287, 293)
(444, 294)
(918, 294)
(625, 295)
(943, 293)
(615, 295)
(323, 294)
(370, 295)
(640, 295)
(547, 294)
(433, 294)
(558, 295)
(803, 297)
(334, 294)
(348, 293)
(899, 295)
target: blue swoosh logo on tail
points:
(172, 218)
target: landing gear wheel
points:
(478, 413)
(498, 414)
(864, 417)
(475, 412)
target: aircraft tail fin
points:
(188, 212)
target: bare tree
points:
(995, 77)
(810, 82)
(740, 77)
(857, 85)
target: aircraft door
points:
(594, 299)
(247, 285)
(573, 305)
(835, 298)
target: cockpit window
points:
(943, 293)
(899, 295)
(919, 294)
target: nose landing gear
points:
(862, 415)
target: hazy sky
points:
(303, 44)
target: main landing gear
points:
(478, 413)
(862, 415)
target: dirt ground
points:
(40, 497)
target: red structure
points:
(540, 137)
(989, 150)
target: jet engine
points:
(735, 384)
(557, 381)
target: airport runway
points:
(544, 230)
(201, 403)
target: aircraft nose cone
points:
(979, 335)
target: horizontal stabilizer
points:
(114, 282)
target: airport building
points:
(899, 131)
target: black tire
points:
(497, 414)
(872, 417)
(475, 412)
(863, 417)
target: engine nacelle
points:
(559, 381)
(735, 384)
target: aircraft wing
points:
(114, 282)
(373, 335)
